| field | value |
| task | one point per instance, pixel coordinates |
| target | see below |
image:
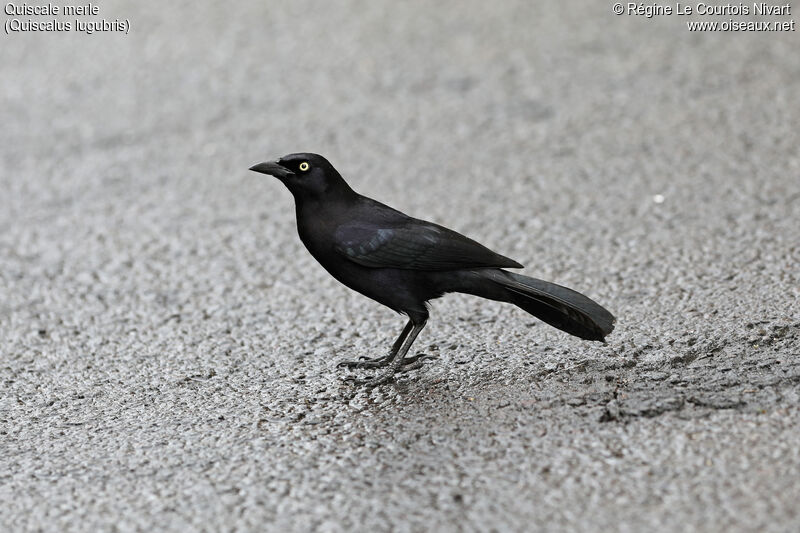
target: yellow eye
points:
(303, 166)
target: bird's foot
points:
(363, 362)
(415, 362)
(408, 364)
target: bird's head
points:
(307, 176)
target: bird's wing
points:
(413, 244)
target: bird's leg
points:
(380, 362)
(397, 360)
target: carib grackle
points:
(404, 262)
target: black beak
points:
(273, 168)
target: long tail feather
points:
(559, 306)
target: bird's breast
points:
(317, 232)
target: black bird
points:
(404, 262)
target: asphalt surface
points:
(168, 348)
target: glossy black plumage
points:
(403, 262)
(413, 244)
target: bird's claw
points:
(380, 362)
(408, 364)
(415, 360)
(364, 362)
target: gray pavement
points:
(168, 348)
